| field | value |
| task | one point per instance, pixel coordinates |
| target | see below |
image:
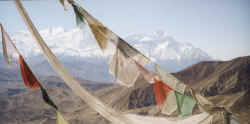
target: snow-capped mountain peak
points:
(79, 50)
(162, 47)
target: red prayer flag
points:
(28, 77)
(161, 92)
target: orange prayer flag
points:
(29, 79)
(161, 91)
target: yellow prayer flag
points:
(60, 119)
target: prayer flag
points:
(185, 104)
(80, 22)
(60, 119)
(170, 105)
(161, 91)
(10, 52)
(47, 99)
(29, 79)
(123, 69)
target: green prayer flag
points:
(185, 104)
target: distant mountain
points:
(166, 51)
(81, 55)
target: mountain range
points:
(224, 83)
(80, 53)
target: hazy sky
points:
(219, 27)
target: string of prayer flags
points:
(169, 79)
(30, 81)
(107, 112)
(122, 67)
(29, 78)
(10, 51)
(167, 97)
(108, 41)
(123, 56)
(164, 95)
(170, 100)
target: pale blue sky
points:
(219, 27)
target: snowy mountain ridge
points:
(76, 48)
(74, 42)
